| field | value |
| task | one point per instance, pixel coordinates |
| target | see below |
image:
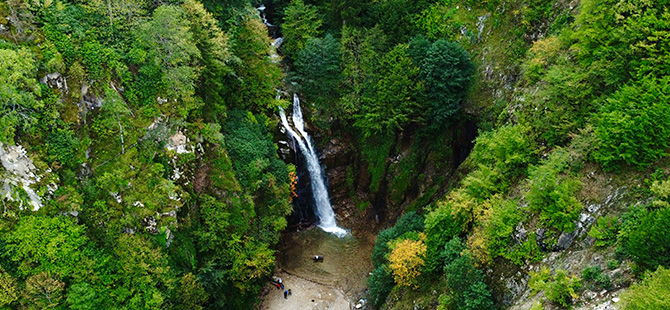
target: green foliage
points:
(633, 124)
(375, 151)
(319, 71)
(395, 17)
(361, 50)
(494, 237)
(552, 194)
(437, 21)
(647, 241)
(191, 293)
(170, 52)
(43, 291)
(448, 71)
(507, 149)
(44, 244)
(8, 290)
(605, 231)
(442, 223)
(613, 264)
(661, 189)
(144, 274)
(256, 78)
(467, 289)
(19, 103)
(653, 292)
(559, 288)
(594, 279)
(380, 284)
(393, 104)
(215, 51)
(497, 156)
(64, 147)
(301, 22)
(409, 222)
(251, 149)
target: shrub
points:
(507, 149)
(605, 231)
(652, 293)
(613, 264)
(494, 237)
(593, 276)
(444, 223)
(633, 126)
(558, 288)
(649, 242)
(553, 195)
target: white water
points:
(324, 210)
(274, 57)
(265, 20)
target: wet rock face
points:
(336, 153)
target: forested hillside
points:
(515, 152)
(139, 168)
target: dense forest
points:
(512, 154)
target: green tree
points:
(448, 72)
(47, 244)
(216, 54)
(559, 288)
(394, 103)
(170, 50)
(319, 71)
(443, 223)
(43, 292)
(301, 22)
(19, 103)
(553, 196)
(144, 277)
(361, 50)
(467, 289)
(8, 290)
(380, 283)
(190, 294)
(122, 15)
(254, 84)
(395, 17)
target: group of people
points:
(280, 285)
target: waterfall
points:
(324, 210)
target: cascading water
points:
(324, 210)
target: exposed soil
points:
(305, 294)
(337, 282)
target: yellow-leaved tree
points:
(407, 259)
